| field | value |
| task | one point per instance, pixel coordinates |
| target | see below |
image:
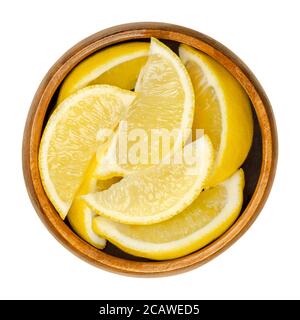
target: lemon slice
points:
(69, 139)
(118, 65)
(222, 109)
(80, 215)
(165, 102)
(209, 216)
(158, 193)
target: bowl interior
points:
(251, 166)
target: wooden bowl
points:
(259, 167)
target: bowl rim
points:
(34, 126)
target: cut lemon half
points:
(165, 102)
(69, 139)
(158, 193)
(80, 214)
(208, 217)
(118, 65)
(222, 110)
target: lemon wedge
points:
(69, 139)
(157, 193)
(209, 216)
(222, 109)
(118, 65)
(80, 215)
(165, 102)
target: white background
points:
(264, 263)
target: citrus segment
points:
(157, 193)
(222, 110)
(69, 139)
(165, 101)
(208, 217)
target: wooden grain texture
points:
(42, 102)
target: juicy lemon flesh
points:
(157, 193)
(118, 65)
(72, 145)
(165, 101)
(207, 107)
(147, 190)
(208, 217)
(69, 139)
(195, 217)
